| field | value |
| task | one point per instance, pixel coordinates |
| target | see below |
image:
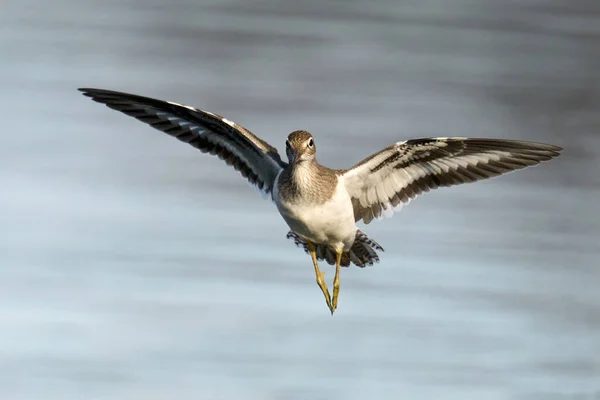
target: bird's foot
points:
(336, 292)
(324, 289)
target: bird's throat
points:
(304, 174)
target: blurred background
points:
(134, 267)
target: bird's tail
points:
(362, 253)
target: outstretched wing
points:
(404, 170)
(210, 133)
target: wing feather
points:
(255, 159)
(404, 170)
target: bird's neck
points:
(303, 174)
(308, 181)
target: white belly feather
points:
(329, 223)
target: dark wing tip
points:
(553, 148)
(541, 149)
(540, 146)
(536, 149)
(92, 91)
(525, 144)
(104, 94)
(101, 95)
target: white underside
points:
(331, 223)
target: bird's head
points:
(300, 147)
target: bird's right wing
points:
(256, 160)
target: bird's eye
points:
(311, 143)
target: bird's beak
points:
(293, 156)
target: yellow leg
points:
(320, 275)
(336, 280)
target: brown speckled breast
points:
(317, 185)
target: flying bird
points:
(322, 205)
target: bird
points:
(322, 206)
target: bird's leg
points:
(320, 279)
(336, 279)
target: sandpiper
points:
(322, 205)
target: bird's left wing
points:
(256, 160)
(400, 172)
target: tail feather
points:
(362, 253)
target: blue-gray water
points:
(134, 267)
